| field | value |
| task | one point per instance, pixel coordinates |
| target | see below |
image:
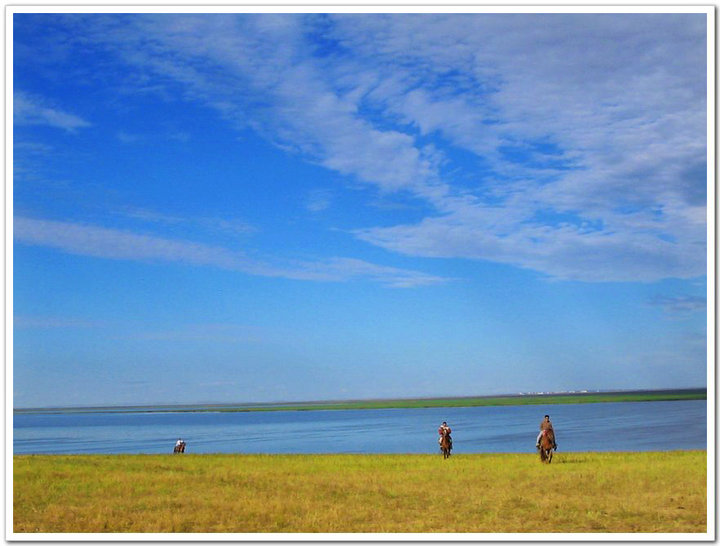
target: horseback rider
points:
(545, 424)
(179, 443)
(444, 429)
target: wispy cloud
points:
(604, 139)
(231, 226)
(274, 86)
(319, 200)
(589, 129)
(215, 333)
(137, 138)
(52, 322)
(568, 250)
(680, 304)
(101, 242)
(130, 138)
(33, 110)
(339, 269)
(120, 245)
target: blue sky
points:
(266, 207)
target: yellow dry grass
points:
(577, 493)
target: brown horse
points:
(445, 445)
(179, 448)
(547, 442)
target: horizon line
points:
(354, 400)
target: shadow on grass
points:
(568, 460)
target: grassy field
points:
(577, 493)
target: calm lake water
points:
(634, 426)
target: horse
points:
(179, 448)
(547, 441)
(445, 445)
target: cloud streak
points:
(49, 322)
(33, 110)
(101, 242)
(680, 304)
(228, 226)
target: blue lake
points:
(633, 426)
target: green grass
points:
(409, 403)
(526, 400)
(509, 493)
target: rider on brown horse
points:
(545, 424)
(445, 429)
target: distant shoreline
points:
(401, 403)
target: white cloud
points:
(228, 226)
(319, 200)
(680, 304)
(32, 110)
(128, 138)
(132, 138)
(216, 333)
(337, 269)
(51, 322)
(116, 244)
(592, 117)
(257, 71)
(565, 251)
(581, 120)
(100, 242)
